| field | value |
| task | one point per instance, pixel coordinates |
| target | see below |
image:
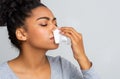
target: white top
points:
(60, 69)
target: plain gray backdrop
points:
(99, 23)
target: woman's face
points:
(39, 27)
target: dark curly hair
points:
(13, 14)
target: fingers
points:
(72, 34)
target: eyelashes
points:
(48, 23)
(44, 25)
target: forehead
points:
(41, 12)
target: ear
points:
(21, 34)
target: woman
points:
(30, 25)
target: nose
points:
(53, 27)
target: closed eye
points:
(43, 24)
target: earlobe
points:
(21, 34)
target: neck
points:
(33, 59)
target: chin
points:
(54, 47)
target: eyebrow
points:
(47, 18)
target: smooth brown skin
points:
(37, 38)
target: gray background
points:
(97, 20)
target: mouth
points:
(52, 38)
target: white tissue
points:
(58, 37)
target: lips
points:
(52, 38)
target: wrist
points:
(84, 63)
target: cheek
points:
(39, 35)
(40, 38)
(44, 34)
